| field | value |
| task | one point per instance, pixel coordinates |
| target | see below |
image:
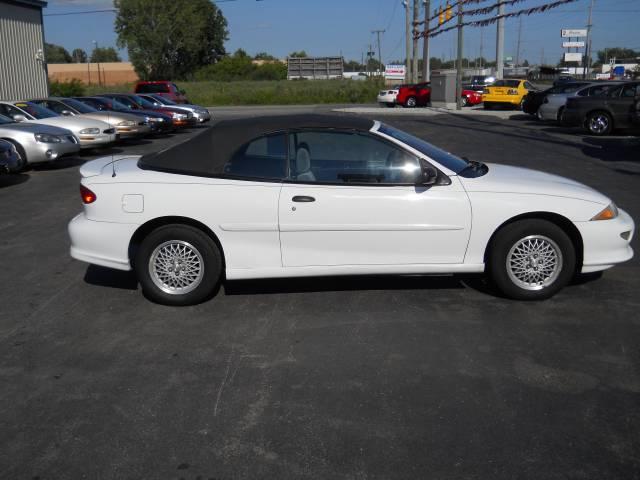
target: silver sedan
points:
(37, 143)
(127, 125)
(553, 105)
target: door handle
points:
(303, 199)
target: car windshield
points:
(79, 106)
(4, 120)
(142, 102)
(446, 159)
(506, 83)
(36, 111)
(126, 102)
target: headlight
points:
(156, 119)
(46, 138)
(180, 116)
(127, 123)
(90, 131)
(608, 213)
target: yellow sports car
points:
(509, 92)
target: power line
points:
(85, 12)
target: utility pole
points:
(408, 40)
(426, 67)
(500, 43)
(587, 62)
(459, 69)
(481, 45)
(518, 45)
(378, 32)
(414, 66)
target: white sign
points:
(573, 44)
(572, 57)
(394, 71)
(573, 33)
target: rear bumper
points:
(506, 99)
(101, 243)
(604, 244)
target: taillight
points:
(512, 91)
(87, 195)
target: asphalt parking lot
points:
(351, 378)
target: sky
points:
(343, 27)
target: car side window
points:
(629, 91)
(262, 158)
(11, 111)
(528, 86)
(55, 106)
(329, 156)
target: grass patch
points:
(276, 92)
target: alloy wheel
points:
(176, 267)
(534, 262)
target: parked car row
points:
(45, 129)
(598, 107)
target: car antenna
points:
(113, 162)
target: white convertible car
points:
(309, 195)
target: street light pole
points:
(500, 43)
(408, 40)
(459, 69)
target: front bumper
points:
(604, 242)
(572, 118)
(38, 152)
(203, 117)
(133, 132)
(101, 243)
(99, 140)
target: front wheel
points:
(531, 260)
(599, 123)
(178, 265)
(464, 101)
(411, 102)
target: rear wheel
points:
(411, 102)
(531, 260)
(464, 101)
(599, 123)
(178, 265)
(521, 105)
(560, 113)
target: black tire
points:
(23, 155)
(197, 243)
(599, 123)
(521, 105)
(555, 241)
(559, 116)
(411, 102)
(464, 101)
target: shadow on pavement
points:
(610, 149)
(353, 283)
(107, 277)
(13, 179)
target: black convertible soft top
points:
(207, 153)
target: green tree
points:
(104, 55)
(264, 56)
(353, 66)
(170, 39)
(300, 54)
(79, 56)
(56, 54)
(619, 53)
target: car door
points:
(352, 199)
(622, 104)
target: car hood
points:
(73, 123)
(507, 179)
(35, 128)
(111, 117)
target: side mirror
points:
(19, 118)
(66, 113)
(429, 176)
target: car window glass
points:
(54, 106)
(348, 157)
(585, 92)
(262, 158)
(152, 88)
(79, 106)
(4, 119)
(528, 86)
(36, 110)
(614, 92)
(507, 83)
(11, 111)
(629, 91)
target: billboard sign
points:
(572, 44)
(395, 71)
(575, 33)
(572, 57)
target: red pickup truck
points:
(416, 95)
(167, 89)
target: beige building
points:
(113, 73)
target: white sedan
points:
(309, 195)
(388, 97)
